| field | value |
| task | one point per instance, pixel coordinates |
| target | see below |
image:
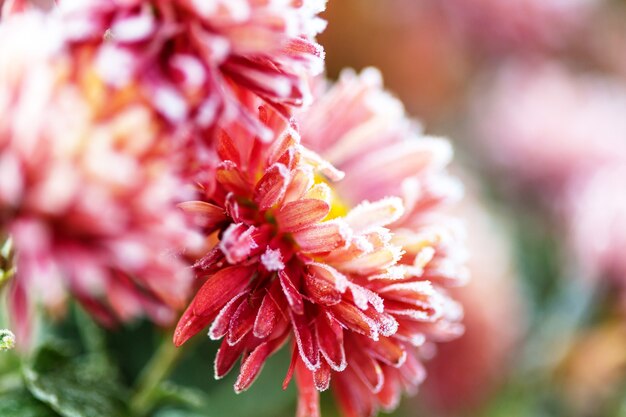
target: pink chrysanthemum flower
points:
(290, 256)
(383, 154)
(86, 192)
(281, 263)
(199, 62)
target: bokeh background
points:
(533, 95)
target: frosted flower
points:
(546, 126)
(86, 191)
(201, 62)
(275, 266)
(7, 340)
(287, 260)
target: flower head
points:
(86, 191)
(355, 285)
(200, 63)
(278, 263)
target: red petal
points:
(307, 344)
(226, 357)
(242, 321)
(366, 368)
(301, 213)
(292, 367)
(330, 339)
(354, 319)
(294, 298)
(308, 396)
(226, 149)
(324, 285)
(203, 214)
(252, 365)
(220, 325)
(322, 377)
(210, 299)
(231, 178)
(389, 395)
(354, 399)
(270, 312)
(271, 188)
(387, 350)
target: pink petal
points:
(367, 216)
(301, 180)
(238, 242)
(322, 237)
(272, 186)
(301, 213)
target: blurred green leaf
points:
(20, 403)
(172, 394)
(74, 387)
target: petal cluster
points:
(356, 287)
(86, 192)
(199, 62)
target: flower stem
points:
(155, 371)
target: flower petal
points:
(308, 396)
(294, 298)
(330, 339)
(252, 365)
(299, 214)
(212, 296)
(272, 186)
(322, 237)
(367, 216)
(307, 343)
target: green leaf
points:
(20, 403)
(74, 387)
